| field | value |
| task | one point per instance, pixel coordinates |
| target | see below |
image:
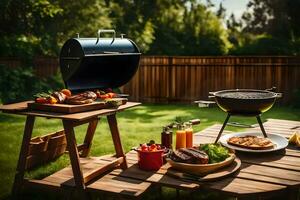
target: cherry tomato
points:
(41, 100)
(111, 94)
(153, 147)
(104, 96)
(144, 147)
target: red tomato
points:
(104, 96)
(144, 147)
(41, 100)
(158, 147)
(153, 147)
(111, 94)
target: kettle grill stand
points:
(227, 118)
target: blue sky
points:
(232, 6)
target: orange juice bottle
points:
(180, 137)
(189, 135)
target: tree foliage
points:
(270, 27)
(171, 27)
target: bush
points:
(21, 84)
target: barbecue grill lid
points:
(98, 63)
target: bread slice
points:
(251, 142)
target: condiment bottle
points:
(189, 134)
(166, 137)
(180, 137)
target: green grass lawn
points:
(137, 125)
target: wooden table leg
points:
(73, 153)
(19, 177)
(113, 125)
(89, 137)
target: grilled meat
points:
(181, 157)
(82, 98)
(59, 96)
(251, 142)
(199, 157)
(189, 155)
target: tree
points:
(29, 27)
(275, 17)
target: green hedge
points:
(21, 84)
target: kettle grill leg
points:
(223, 127)
(261, 126)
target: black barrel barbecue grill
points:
(98, 63)
(244, 102)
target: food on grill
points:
(44, 98)
(251, 142)
(189, 155)
(215, 152)
(247, 95)
(67, 92)
(82, 98)
(59, 96)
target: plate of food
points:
(253, 142)
(202, 160)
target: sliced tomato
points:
(111, 94)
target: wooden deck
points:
(263, 175)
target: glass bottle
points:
(166, 137)
(180, 137)
(189, 135)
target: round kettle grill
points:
(98, 63)
(245, 102)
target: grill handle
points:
(106, 31)
(211, 94)
(278, 95)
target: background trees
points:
(168, 27)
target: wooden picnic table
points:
(79, 176)
(261, 175)
(264, 175)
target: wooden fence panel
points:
(184, 79)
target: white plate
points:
(280, 142)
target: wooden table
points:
(80, 176)
(261, 175)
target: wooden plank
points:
(89, 137)
(19, 176)
(14, 107)
(156, 178)
(76, 116)
(113, 125)
(243, 187)
(270, 175)
(95, 172)
(123, 186)
(73, 154)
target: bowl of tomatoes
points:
(151, 156)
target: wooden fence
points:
(184, 79)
